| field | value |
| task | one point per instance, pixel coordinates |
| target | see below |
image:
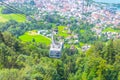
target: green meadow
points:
(16, 17)
(82, 31)
(111, 30)
(29, 36)
(62, 32)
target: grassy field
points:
(62, 31)
(81, 44)
(29, 36)
(7, 17)
(110, 30)
(82, 31)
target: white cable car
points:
(55, 49)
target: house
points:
(76, 41)
(85, 48)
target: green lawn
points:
(38, 38)
(62, 31)
(7, 17)
(110, 30)
(81, 43)
(82, 31)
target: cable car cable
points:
(13, 8)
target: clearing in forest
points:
(33, 36)
(16, 17)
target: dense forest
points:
(30, 61)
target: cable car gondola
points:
(55, 48)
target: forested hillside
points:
(30, 61)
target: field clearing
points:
(3, 19)
(62, 32)
(82, 31)
(29, 36)
(16, 17)
(81, 44)
(111, 30)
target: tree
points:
(32, 2)
(1, 37)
